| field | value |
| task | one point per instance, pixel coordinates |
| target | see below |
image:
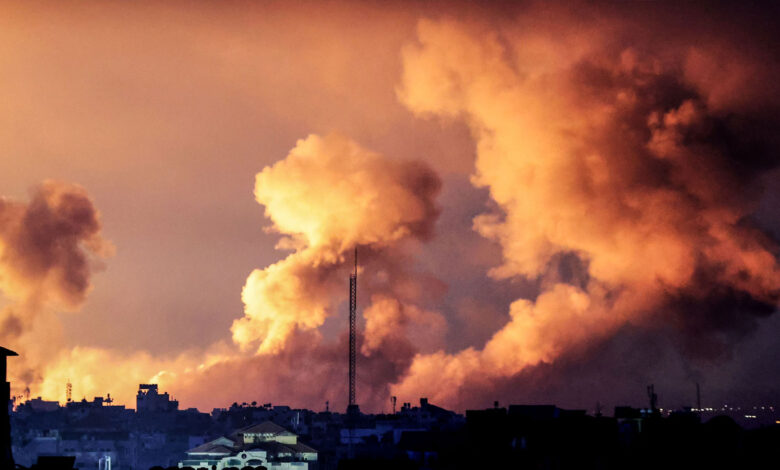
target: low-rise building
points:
(149, 399)
(261, 445)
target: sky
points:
(552, 202)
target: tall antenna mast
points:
(352, 351)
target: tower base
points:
(353, 410)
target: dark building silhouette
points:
(150, 400)
(52, 462)
(5, 396)
(89, 434)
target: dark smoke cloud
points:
(48, 243)
(625, 169)
(48, 250)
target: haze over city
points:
(551, 202)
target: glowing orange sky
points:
(165, 114)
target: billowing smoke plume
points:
(48, 249)
(328, 196)
(624, 178)
(623, 161)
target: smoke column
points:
(326, 197)
(618, 161)
(48, 250)
(622, 151)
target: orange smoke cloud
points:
(602, 153)
(388, 319)
(47, 251)
(96, 371)
(622, 171)
(45, 245)
(328, 196)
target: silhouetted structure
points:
(424, 437)
(653, 397)
(150, 400)
(352, 407)
(5, 432)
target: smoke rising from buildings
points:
(328, 196)
(622, 156)
(49, 248)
